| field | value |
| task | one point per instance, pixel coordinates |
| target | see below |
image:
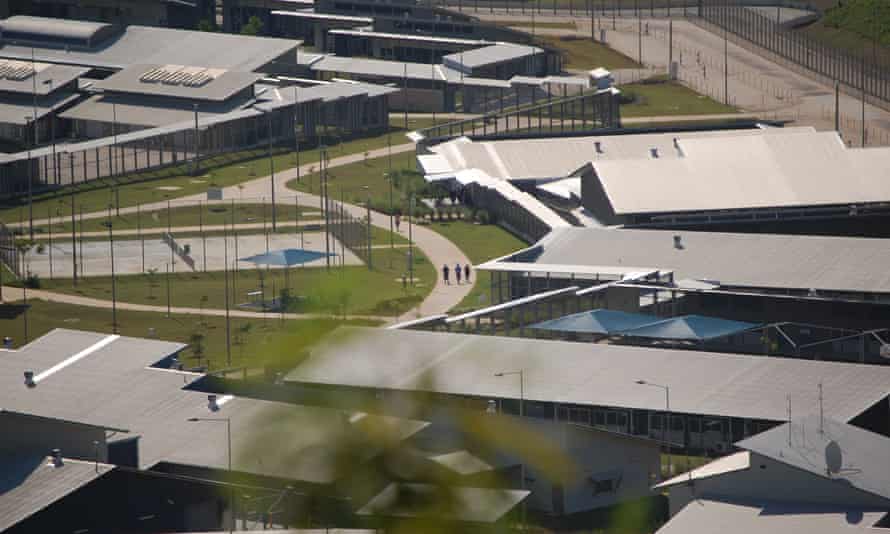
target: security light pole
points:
(521, 374)
(664, 428)
(368, 209)
(113, 278)
(272, 172)
(228, 422)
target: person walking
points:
(445, 274)
(398, 219)
(457, 272)
(467, 273)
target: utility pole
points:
(837, 105)
(272, 172)
(196, 165)
(726, 65)
(226, 274)
(73, 237)
(297, 133)
(368, 209)
(326, 204)
(411, 238)
(113, 278)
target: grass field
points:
(480, 242)
(668, 98)
(255, 342)
(350, 290)
(348, 182)
(221, 171)
(181, 216)
(584, 54)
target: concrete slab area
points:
(96, 255)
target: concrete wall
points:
(770, 480)
(426, 100)
(24, 434)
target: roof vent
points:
(212, 405)
(678, 241)
(29, 379)
(57, 458)
(492, 407)
(653, 152)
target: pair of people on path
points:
(458, 270)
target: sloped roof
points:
(30, 484)
(863, 457)
(690, 328)
(590, 374)
(707, 516)
(597, 322)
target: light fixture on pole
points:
(667, 422)
(521, 374)
(228, 422)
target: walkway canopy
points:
(597, 322)
(691, 328)
(614, 322)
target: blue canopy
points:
(286, 257)
(597, 322)
(690, 328)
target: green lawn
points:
(351, 290)
(480, 242)
(182, 216)
(255, 342)
(583, 54)
(667, 98)
(221, 171)
(348, 182)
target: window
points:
(599, 418)
(612, 418)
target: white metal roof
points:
(757, 171)
(737, 461)
(488, 55)
(590, 374)
(310, 14)
(49, 28)
(823, 263)
(410, 37)
(709, 516)
(548, 158)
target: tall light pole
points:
(521, 374)
(30, 186)
(388, 177)
(113, 278)
(228, 422)
(271, 171)
(664, 427)
(368, 209)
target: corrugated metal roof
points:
(376, 67)
(112, 387)
(15, 109)
(52, 28)
(488, 55)
(822, 263)
(476, 505)
(45, 81)
(163, 46)
(863, 457)
(760, 171)
(30, 484)
(220, 88)
(142, 111)
(548, 158)
(709, 516)
(599, 375)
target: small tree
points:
(253, 27)
(196, 341)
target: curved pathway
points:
(77, 300)
(434, 246)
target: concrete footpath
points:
(434, 246)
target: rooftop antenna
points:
(821, 412)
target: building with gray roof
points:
(813, 474)
(723, 389)
(145, 45)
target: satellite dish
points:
(834, 457)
